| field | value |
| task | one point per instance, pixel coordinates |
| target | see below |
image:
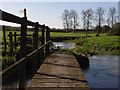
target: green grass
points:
(71, 34)
(98, 45)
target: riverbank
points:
(93, 45)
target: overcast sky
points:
(49, 13)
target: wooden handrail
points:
(18, 20)
(11, 69)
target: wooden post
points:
(15, 40)
(35, 60)
(23, 37)
(47, 49)
(35, 37)
(35, 46)
(22, 82)
(11, 43)
(42, 50)
(43, 38)
(4, 36)
(25, 12)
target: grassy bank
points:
(97, 45)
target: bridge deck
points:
(62, 70)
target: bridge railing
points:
(41, 52)
(21, 65)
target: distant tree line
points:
(70, 19)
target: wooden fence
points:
(40, 52)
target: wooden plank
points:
(59, 70)
(10, 18)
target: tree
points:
(66, 19)
(112, 17)
(70, 19)
(74, 17)
(99, 17)
(87, 17)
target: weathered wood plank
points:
(61, 70)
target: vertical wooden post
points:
(35, 37)
(11, 43)
(35, 46)
(35, 60)
(4, 36)
(22, 82)
(15, 40)
(47, 49)
(23, 37)
(25, 12)
(43, 38)
(42, 43)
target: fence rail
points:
(18, 20)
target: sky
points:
(49, 13)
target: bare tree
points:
(99, 17)
(74, 17)
(87, 17)
(112, 16)
(66, 19)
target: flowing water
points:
(103, 71)
(64, 45)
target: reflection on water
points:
(64, 45)
(103, 71)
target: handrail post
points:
(22, 82)
(23, 37)
(4, 36)
(42, 43)
(35, 37)
(47, 49)
(43, 38)
(23, 53)
(35, 58)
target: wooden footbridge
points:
(59, 70)
(56, 71)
